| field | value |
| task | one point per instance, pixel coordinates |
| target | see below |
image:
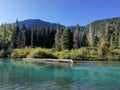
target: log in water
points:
(48, 60)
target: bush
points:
(116, 52)
(2, 53)
(32, 53)
(78, 54)
(39, 53)
(20, 53)
(84, 53)
(93, 52)
(113, 54)
(63, 54)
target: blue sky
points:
(67, 12)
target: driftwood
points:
(48, 60)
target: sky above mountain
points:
(66, 12)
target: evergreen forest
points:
(99, 40)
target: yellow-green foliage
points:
(116, 52)
(2, 53)
(20, 53)
(63, 54)
(93, 52)
(41, 53)
(84, 53)
(79, 54)
(113, 54)
(32, 53)
(72, 54)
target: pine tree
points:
(90, 35)
(108, 33)
(23, 36)
(58, 36)
(117, 34)
(67, 39)
(112, 41)
(95, 40)
(16, 35)
(28, 37)
(84, 40)
(76, 37)
(4, 37)
(32, 38)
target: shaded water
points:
(19, 75)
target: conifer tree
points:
(90, 35)
(95, 40)
(76, 37)
(32, 38)
(117, 34)
(58, 37)
(16, 35)
(84, 40)
(67, 39)
(112, 41)
(23, 36)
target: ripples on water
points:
(18, 75)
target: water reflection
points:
(15, 74)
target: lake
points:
(19, 75)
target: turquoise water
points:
(19, 75)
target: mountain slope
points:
(31, 23)
(96, 25)
(100, 24)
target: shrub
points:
(63, 54)
(113, 54)
(93, 52)
(20, 53)
(78, 54)
(116, 52)
(39, 53)
(2, 53)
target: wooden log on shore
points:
(48, 60)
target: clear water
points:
(19, 75)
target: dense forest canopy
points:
(101, 34)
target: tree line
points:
(60, 38)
